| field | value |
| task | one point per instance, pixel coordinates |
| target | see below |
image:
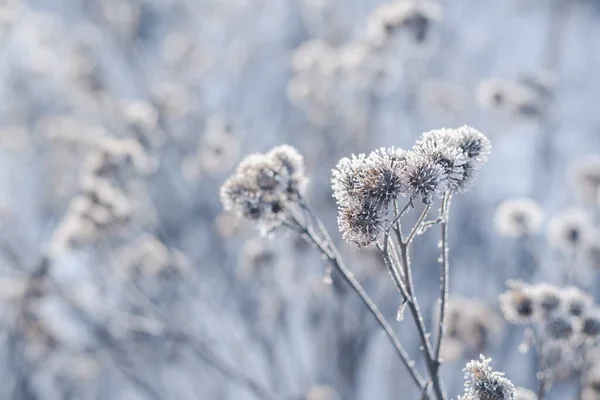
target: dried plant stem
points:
(413, 306)
(444, 284)
(328, 249)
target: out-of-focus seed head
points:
(586, 179)
(517, 303)
(590, 324)
(361, 223)
(547, 297)
(525, 394)
(483, 383)
(263, 188)
(518, 217)
(287, 161)
(560, 326)
(414, 16)
(575, 301)
(569, 230)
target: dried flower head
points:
(575, 301)
(483, 383)
(426, 180)
(590, 324)
(518, 217)
(586, 179)
(517, 303)
(287, 161)
(547, 297)
(438, 147)
(262, 188)
(569, 230)
(361, 223)
(382, 178)
(514, 97)
(345, 177)
(560, 326)
(414, 16)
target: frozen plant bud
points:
(517, 303)
(586, 179)
(569, 230)
(361, 223)
(525, 394)
(560, 326)
(518, 217)
(590, 324)
(576, 301)
(483, 383)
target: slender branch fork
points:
(397, 259)
(321, 239)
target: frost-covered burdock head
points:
(560, 326)
(575, 301)
(483, 383)
(437, 146)
(518, 217)
(264, 186)
(590, 324)
(517, 303)
(345, 178)
(378, 178)
(525, 394)
(426, 179)
(382, 179)
(569, 230)
(361, 223)
(586, 180)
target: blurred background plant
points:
(122, 278)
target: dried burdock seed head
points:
(361, 223)
(345, 178)
(518, 217)
(586, 179)
(590, 324)
(505, 94)
(560, 326)
(287, 161)
(475, 144)
(517, 303)
(427, 181)
(383, 179)
(483, 383)
(438, 147)
(569, 230)
(525, 394)
(547, 298)
(575, 301)
(414, 16)
(264, 187)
